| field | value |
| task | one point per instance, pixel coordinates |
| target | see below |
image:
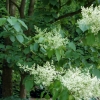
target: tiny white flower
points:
(90, 19)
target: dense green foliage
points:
(23, 39)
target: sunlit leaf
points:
(58, 55)
(83, 27)
(23, 24)
(12, 20)
(2, 21)
(72, 45)
(40, 39)
(12, 38)
(17, 27)
(20, 38)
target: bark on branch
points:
(7, 5)
(31, 7)
(22, 7)
(15, 4)
(71, 13)
(12, 7)
(63, 5)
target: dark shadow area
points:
(36, 93)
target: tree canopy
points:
(41, 31)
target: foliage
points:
(52, 42)
(73, 47)
(16, 83)
(12, 98)
(63, 83)
(56, 38)
(12, 31)
(88, 21)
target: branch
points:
(71, 13)
(63, 5)
(59, 4)
(7, 5)
(29, 42)
(22, 7)
(15, 4)
(31, 7)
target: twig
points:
(71, 13)
(15, 5)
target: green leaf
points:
(12, 38)
(58, 55)
(62, 52)
(17, 27)
(72, 46)
(47, 18)
(75, 55)
(90, 39)
(42, 50)
(83, 27)
(96, 72)
(22, 23)
(47, 96)
(2, 21)
(45, 2)
(50, 53)
(64, 95)
(93, 49)
(70, 97)
(55, 93)
(79, 31)
(69, 2)
(28, 84)
(42, 94)
(40, 39)
(36, 47)
(54, 15)
(26, 50)
(68, 53)
(57, 84)
(2, 46)
(53, 2)
(2, 56)
(12, 20)
(8, 47)
(31, 47)
(20, 38)
(98, 35)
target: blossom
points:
(80, 84)
(90, 19)
(51, 40)
(42, 74)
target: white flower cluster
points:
(90, 19)
(42, 74)
(51, 40)
(81, 85)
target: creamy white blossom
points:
(81, 85)
(50, 40)
(90, 19)
(42, 74)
